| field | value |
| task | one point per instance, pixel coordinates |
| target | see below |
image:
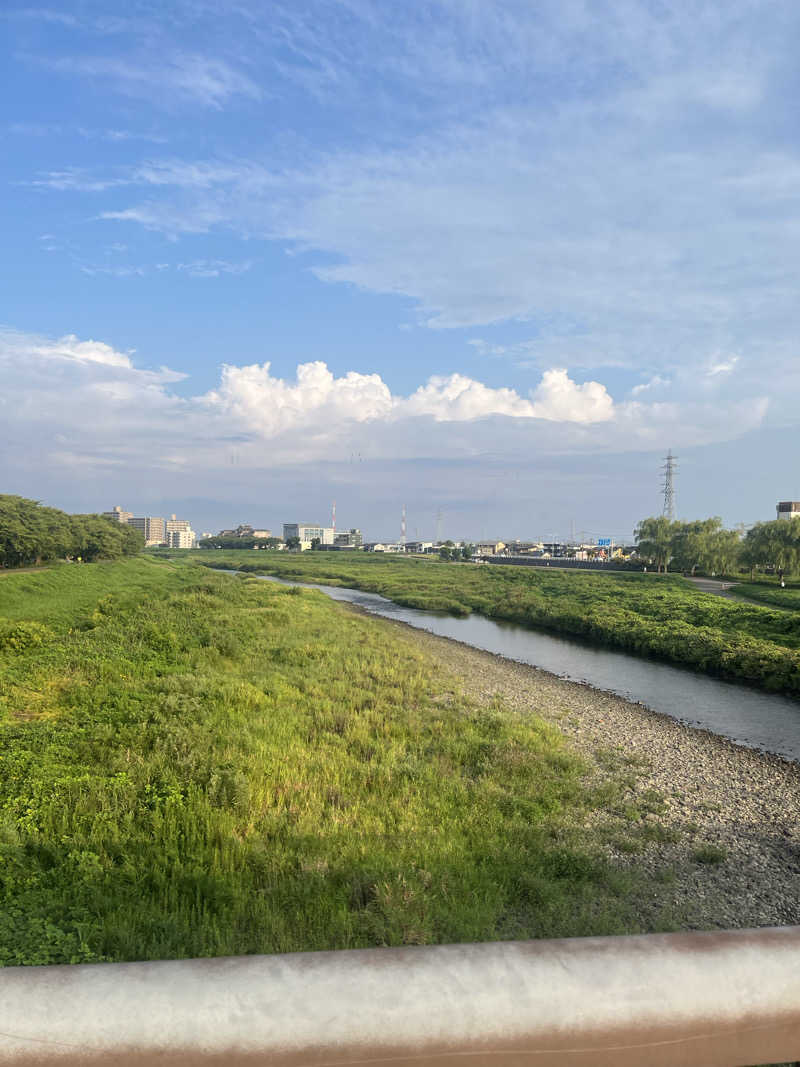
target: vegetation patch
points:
(660, 616)
(709, 854)
(195, 765)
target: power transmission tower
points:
(670, 469)
(439, 518)
(403, 529)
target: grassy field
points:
(662, 616)
(193, 764)
(771, 594)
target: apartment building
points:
(153, 529)
(118, 515)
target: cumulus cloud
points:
(85, 421)
(456, 398)
(559, 398)
(271, 405)
(83, 405)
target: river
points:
(764, 721)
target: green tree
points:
(31, 533)
(293, 542)
(773, 544)
(654, 540)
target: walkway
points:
(715, 586)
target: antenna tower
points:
(333, 520)
(439, 526)
(403, 528)
(670, 469)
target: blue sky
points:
(491, 258)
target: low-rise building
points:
(788, 509)
(418, 548)
(490, 548)
(307, 532)
(351, 539)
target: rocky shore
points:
(714, 826)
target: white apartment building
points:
(308, 532)
(179, 533)
(788, 509)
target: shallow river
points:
(760, 720)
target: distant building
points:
(153, 529)
(351, 539)
(244, 529)
(307, 532)
(118, 515)
(490, 548)
(417, 548)
(788, 509)
(179, 533)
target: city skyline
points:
(486, 259)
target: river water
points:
(759, 720)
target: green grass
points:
(197, 765)
(661, 616)
(709, 854)
(771, 594)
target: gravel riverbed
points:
(714, 826)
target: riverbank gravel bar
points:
(733, 812)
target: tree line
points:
(704, 545)
(31, 533)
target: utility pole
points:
(670, 469)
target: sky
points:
(487, 259)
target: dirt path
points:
(721, 851)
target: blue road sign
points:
(602, 541)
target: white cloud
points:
(316, 399)
(69, 348)
(212, 268)
(723, 366)
(656, 382)
(457, 398)
(84, 421)
(184, 77)
(559, 399)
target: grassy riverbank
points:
(193, 764)
(659, 616)
(771, 594)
